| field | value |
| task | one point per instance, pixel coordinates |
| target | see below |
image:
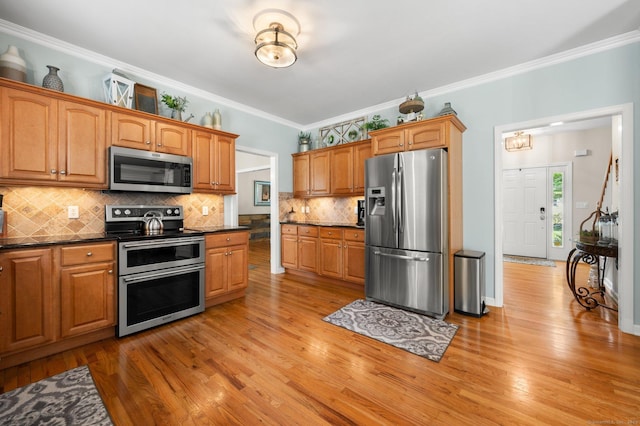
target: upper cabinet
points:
(56, 139)
(133, 131)
(60, 142)
(431, 133)
(214, 162)
(337, 171)
(347, 168)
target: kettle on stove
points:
(153, 222)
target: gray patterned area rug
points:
(69, 398)
(529, 260)
(418, 334)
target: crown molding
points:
(568, 55)
(68, 48)
(99, 59)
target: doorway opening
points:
(624, 127)
(252, 159)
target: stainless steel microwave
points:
(146, 171)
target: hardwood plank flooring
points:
(270, 359)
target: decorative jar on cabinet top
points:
(52, 80)
(12, 66)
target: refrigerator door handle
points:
(399, 256)
(393, 202)
(400, 196)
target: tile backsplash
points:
(42, 211)
(339, 210)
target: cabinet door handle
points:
(147, 142)
(54, 171)
(1, 269)
(63, 172)
(159, 144)
(110, 271)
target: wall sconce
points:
(275, 41)
(118, 90)
(518, 142)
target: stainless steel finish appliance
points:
(405, 233)
(160, 275)
(146, 171)
(361, 213)
(468, 283)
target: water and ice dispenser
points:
(376, 201)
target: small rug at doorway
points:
(69, 398)
(415, 333)
(529, 260)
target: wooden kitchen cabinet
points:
(431, 133)
(331, 252)
(138, 132)
(27, 302)
(353, 256)
(311, 173)
(226, 266)
(87, 288)
(59, 142)
(54, 299)
(299, 247)
(347, 168)
(214, 162)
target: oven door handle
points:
(162, 243)
(166, 273)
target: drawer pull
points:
(110, 271)
(89, 253)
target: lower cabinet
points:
(53, 299)
(299, 247)
(328, 251)
(87, 274)
(227, 266)
(27, 317)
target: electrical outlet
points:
(72, 212)
(306, 209)
(205, 211)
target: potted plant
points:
(177, 104)
(376, 123)
(303, 140)
(588, 236)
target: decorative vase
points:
(217, 120)
(12, 66)
(207, 121)
(52, 81)
(176, 114)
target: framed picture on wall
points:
(261, 193)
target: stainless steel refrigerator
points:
(406, 231)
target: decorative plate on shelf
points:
(332, 140)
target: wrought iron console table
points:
(590, 254)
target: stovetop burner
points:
(126, 222)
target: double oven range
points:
(160, 274)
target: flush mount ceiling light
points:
(275, 41)
(518, 142)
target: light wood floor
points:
(270, 359)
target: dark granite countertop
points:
(214, 229)
(49, 240)
(318, 223)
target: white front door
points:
(524, 211)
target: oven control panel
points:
(122, 213)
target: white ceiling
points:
(353, 54)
